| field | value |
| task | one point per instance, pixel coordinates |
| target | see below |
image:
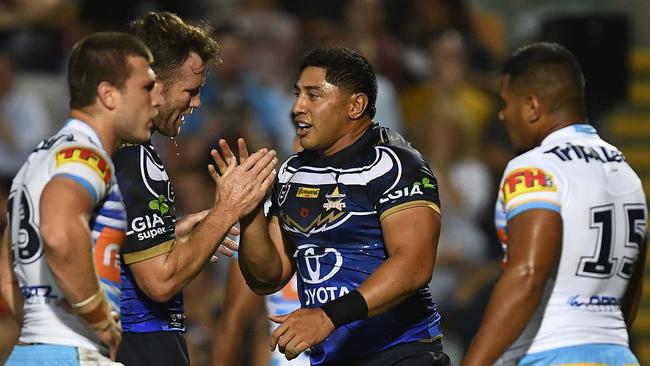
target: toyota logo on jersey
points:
(317, 264)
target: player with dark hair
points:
(574, 218)
(356, 215)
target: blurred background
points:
(437, 63)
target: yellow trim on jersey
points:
(139, 256)
(403, 206)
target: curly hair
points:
(171, 40)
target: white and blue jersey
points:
(604, 224)
(330, 209)
(75, 153)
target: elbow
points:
(159, 291)
(530, 282)
(54, 240)
(262, 289)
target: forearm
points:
(8, 283)
(259, 258)
(188, 256)
(509, 311)
(69, 257)
(394, 281)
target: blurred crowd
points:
(437, 63)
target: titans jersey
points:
(75, 153)
(330, 210)
(604, 217)
(149, 199)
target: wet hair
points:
(550, 71)
(347, 70)
(171, 40)
(101, 56)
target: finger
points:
(234, 231)
(268, 182)
(278, 319)
(229, 244)
(263, 162)
(243, 149)
(266, 171)
(277, 333)
(213, 173)
(214, 259)
(221, 163)
(224, 250)
(253, 159)
(294, 348)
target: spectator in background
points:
(237, 104)
(448, 90)
(23, 121)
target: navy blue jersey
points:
(149, 200)
(330, 210)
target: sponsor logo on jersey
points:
(37, 294)
(107, 253)
(306, 192)
(526, 180)
(316, 265)
(160, 205)
(88, 157)
(403, 192)
(334, 201)
(147, 226)
(595, 302)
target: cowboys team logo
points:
(334, 201)
(317, 264)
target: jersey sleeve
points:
(149, 209)
(87, 166)
(529, 184)
(402, 179)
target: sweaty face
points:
(320, 112)
(181, 93)
(513, 114)
(138, 103)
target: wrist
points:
(346, 309)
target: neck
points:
(106, 135)
(356, 131)
(559, 120)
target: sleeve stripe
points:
(403, 206)
(139, 256)
(84, 183)
(531, 205)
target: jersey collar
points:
(82, 126)
(579, 129)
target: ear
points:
(107, 95)
(358, 105)
(533, 108)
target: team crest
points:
(334, 201)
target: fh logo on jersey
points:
(526, 180)
(334, 200)
(87, 157)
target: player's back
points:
(604, 213)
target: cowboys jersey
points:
(330, 210)
(75, 153)
(149, 199)
(604, 216)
